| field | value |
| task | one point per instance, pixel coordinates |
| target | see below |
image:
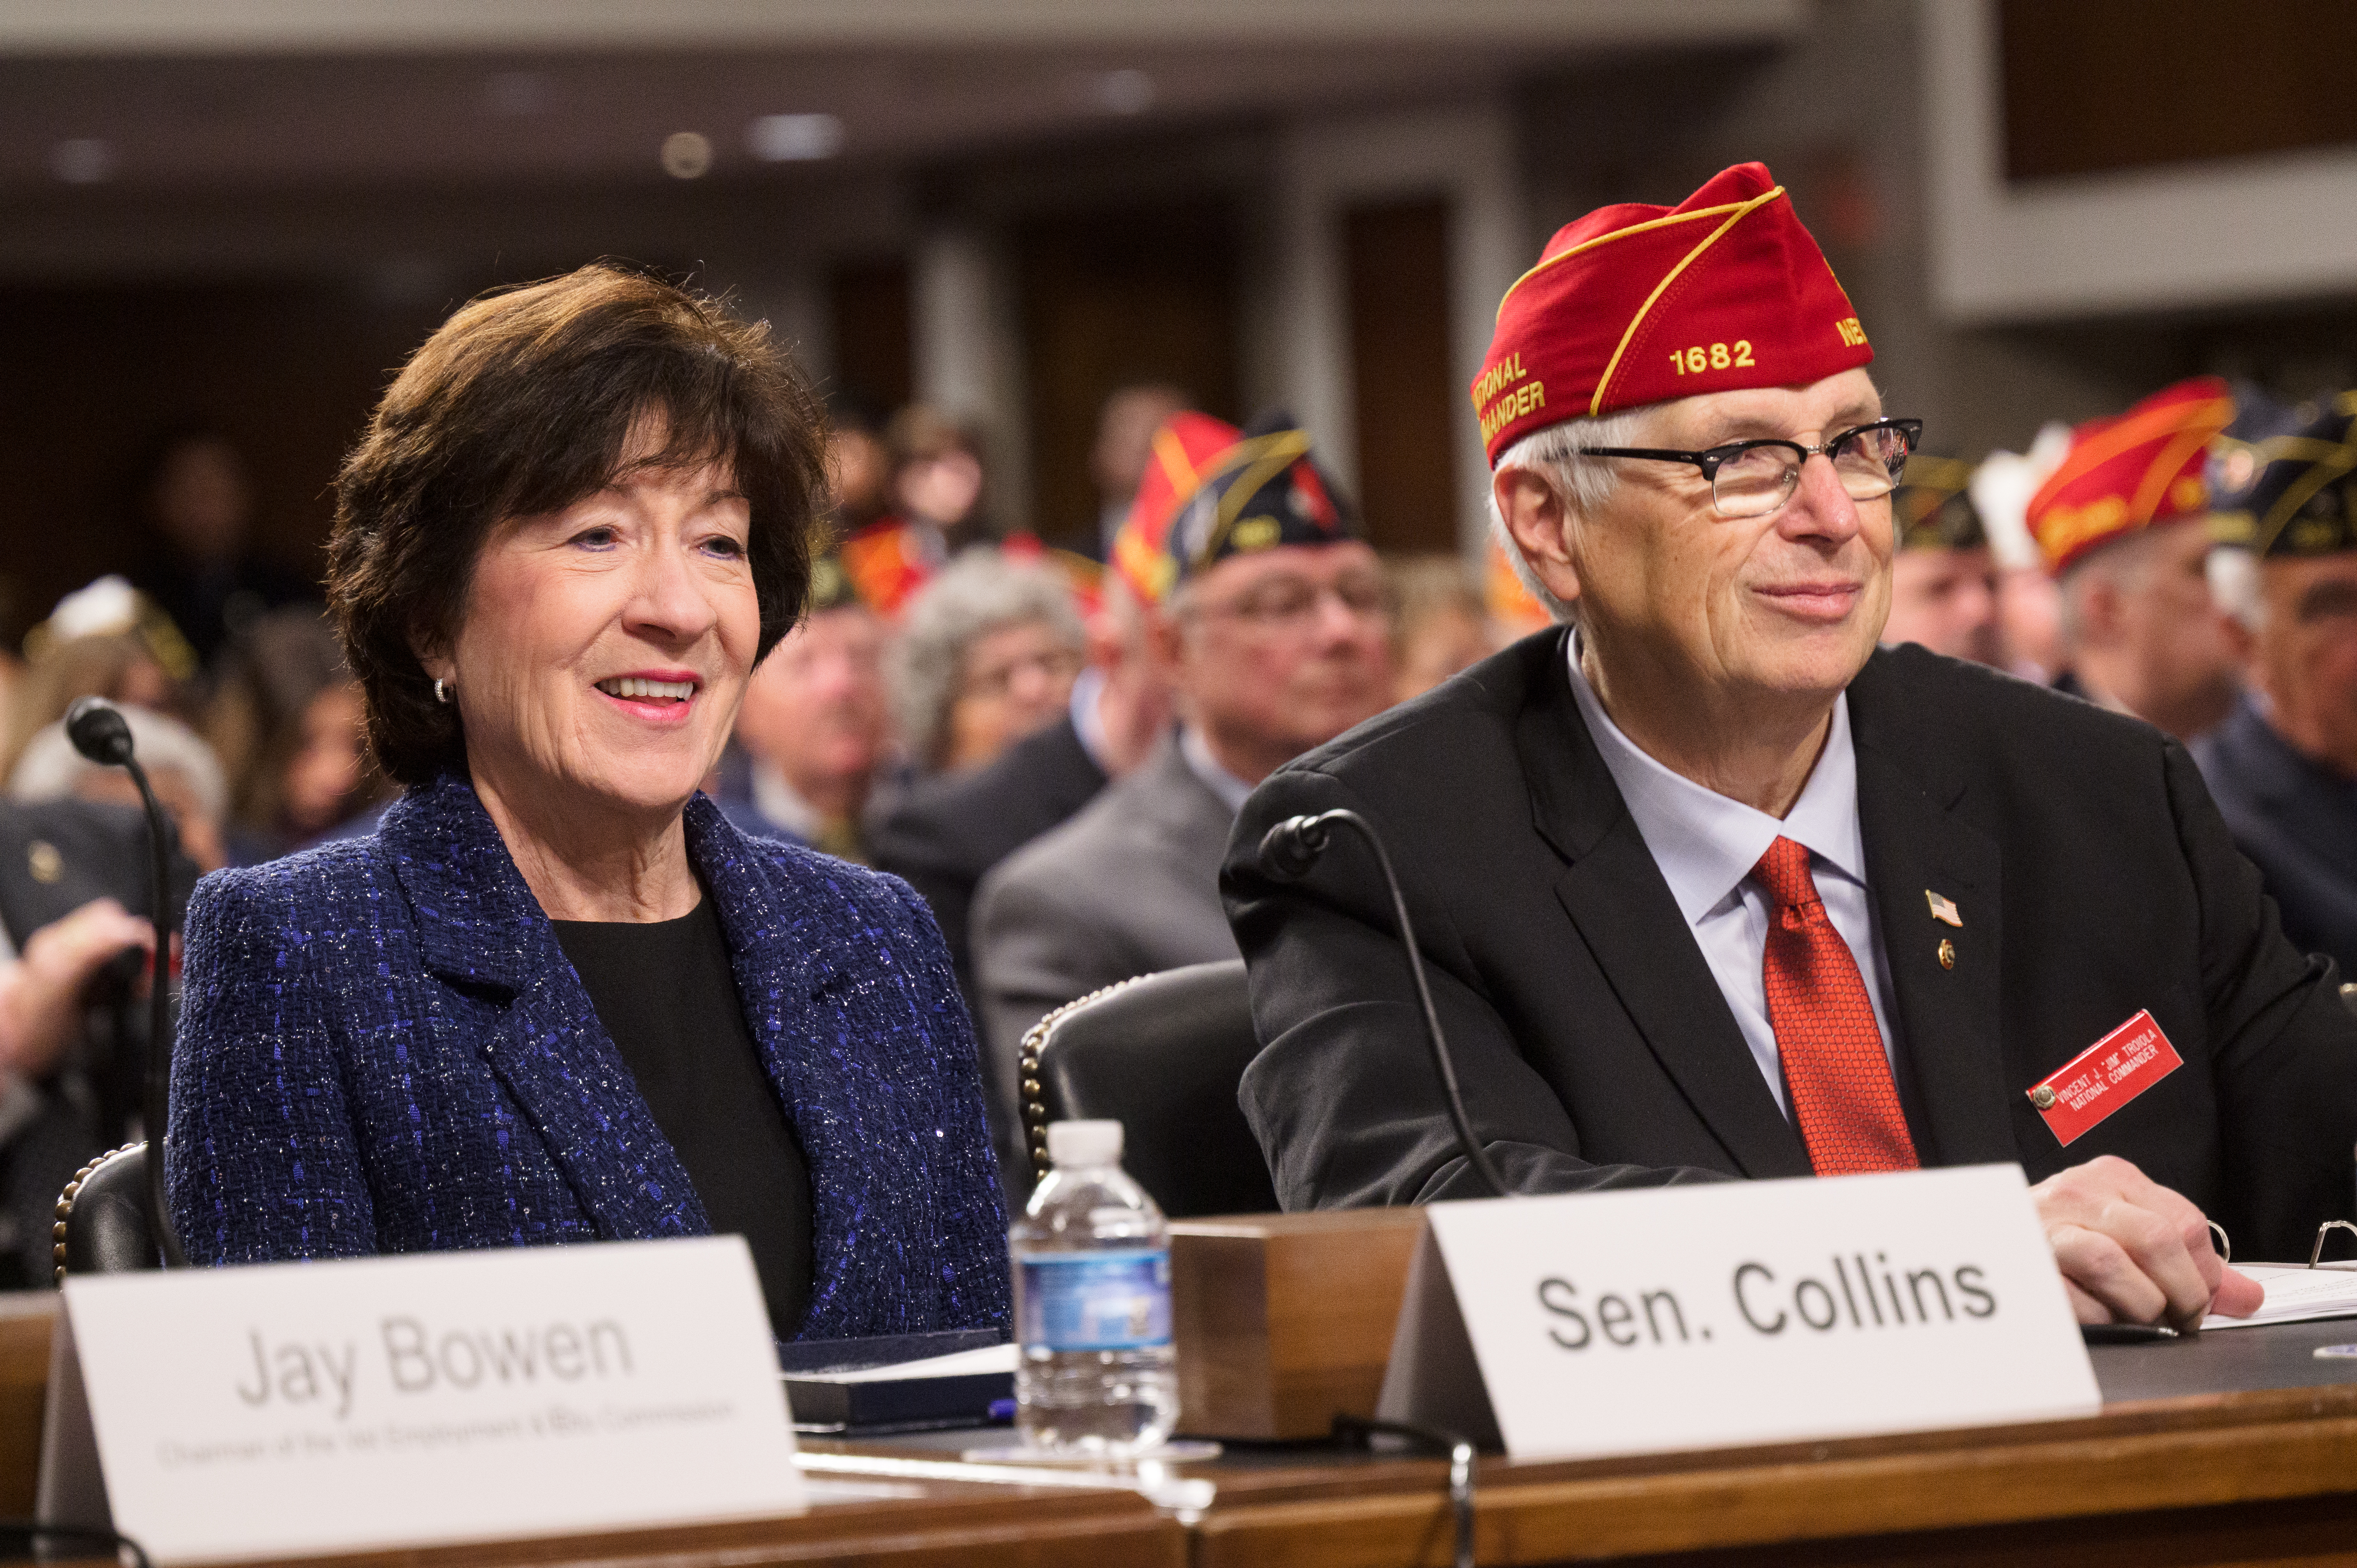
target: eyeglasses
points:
(1752, 478)
(1290, 603)
(996, 681)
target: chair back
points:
(101, 1225)
(1163, 1055)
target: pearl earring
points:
(441, 694)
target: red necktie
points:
(1834, 1069)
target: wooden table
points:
(2238, 1449)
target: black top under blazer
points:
(2092, 874)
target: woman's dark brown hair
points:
(522, 403)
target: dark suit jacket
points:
(384, 1050)
(2094, 878)
(944, 833)
(2297, 821)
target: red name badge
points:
(2104, 1076)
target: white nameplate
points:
(1736, 1314)
(304, 1409)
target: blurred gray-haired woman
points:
(988, 654)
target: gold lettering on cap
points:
(1523, 400)
(1852, 334)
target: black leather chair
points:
(1162, 1055)
(101, 1225)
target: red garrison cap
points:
(1635, 303)
(2139, 467)
(1186, 449)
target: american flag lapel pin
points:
(1943, 909)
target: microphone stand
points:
(98, 732)
(156, 1102)
(1288, 853)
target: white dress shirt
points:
(1197, 751)
(1706, 845)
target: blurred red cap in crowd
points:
(2131, 471)
(1636, 303)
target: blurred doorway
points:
(1396, 256)
(1111, 298)
(874, 359)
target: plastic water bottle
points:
(1092, 1303)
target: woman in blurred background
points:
(556, 996)
(987, 656)
(285, 721)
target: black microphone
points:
(1287, 852)
(100, 732)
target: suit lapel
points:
(1616, 897)
(479, 928)
(1950, 1043)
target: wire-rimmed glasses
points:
(1752, 478)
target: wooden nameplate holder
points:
(1285, 1321)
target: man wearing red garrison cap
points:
(1710, 887)
(2124, 525)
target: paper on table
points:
(2295, 1295)
(979, 1362)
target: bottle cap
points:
(1084, 1143)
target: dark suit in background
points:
(1129, 886)
(2094, 879)
(2297, 821)
(943, 834)
(55, 857)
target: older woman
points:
(556, 997)
(987, 655)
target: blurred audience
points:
(945, 832)
(286, 722)
(815, 723)
(2029, 602)
(74, 943)
(1439, 623)
(859, 469)
(934, 497)
(2124, 524)
(987, 654)
(198, 559)
(1270, 618)
(2283, 767)
(181, 768)
(1124, 445)
(104, 641)
(1944, 580)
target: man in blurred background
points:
(2124, 525)
(1270, 619)
(814, 723)
(200, 563)
(1944, 585)
(2283, 767)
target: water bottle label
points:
(1097, 1300)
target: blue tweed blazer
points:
(384, 1049)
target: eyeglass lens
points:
(1759, 479)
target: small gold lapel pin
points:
(42, 859)
(1947, 953)
(2042, 1097)
(1943, 909)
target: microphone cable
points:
(1287, 852)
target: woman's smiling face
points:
(604, 649)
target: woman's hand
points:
(41, 992)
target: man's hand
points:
(2132, 1251)
(40, 993)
